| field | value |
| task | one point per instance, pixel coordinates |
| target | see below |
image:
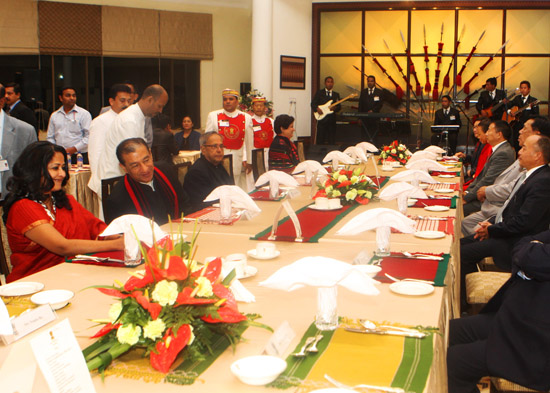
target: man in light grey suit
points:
(493, 197)
(15, 135)
(502, 157)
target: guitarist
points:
(326, 127)
(370, 101)
(489, 98)
(520, 102)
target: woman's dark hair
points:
(282, 121)
(31, 178)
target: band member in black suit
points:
(326, 127)
(370, 101)
(16, 108)
(520, 102)
(447, 116)
(491, 97)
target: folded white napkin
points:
(356, 152)
(394, 190)
(425, 164)
(337, 156)
(131, 225)
(375, 218)
(276, 178)
(309, 167)
(435, 149)
(321, 272)
(234, 196)
(414, 175)
(367, 147)
(422, 155)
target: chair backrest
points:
(106, 187)
(258, 163)
(301, 153)
(228, 164)
(4, 265)
(182, 168)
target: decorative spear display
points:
(427, 86)
(435, 94)
(458, 79)
(446, 81)
(467, 84)
(467, 99)
(412, 69)
(398, 89)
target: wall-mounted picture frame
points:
(293, 72)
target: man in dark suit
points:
(503, 156)
(447, 116)
(16, 108)
(510, 337)
(525, 101)
(370, 101)
(326, 127)
(525, 212)
(491, 97)
(16, 135)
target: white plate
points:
(445, 190)
(249, 271)
(430, 234)
(411, 288)
(324, 209)
(411, 202)
(436, 208)
(57, 298)
(252, 253)
(258, 370)
(447, 176)
(20, 288)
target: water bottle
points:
(79, 161)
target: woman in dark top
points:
(283, 154)
(188, 139)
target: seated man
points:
(493, 197)
(510, 337)
(525, 212)
(207, 172)
(151, 190)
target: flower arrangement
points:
(350, 186)
(394, 152)
(172, 306)
(245, 104)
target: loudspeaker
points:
(245, 88)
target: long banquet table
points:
(298, 307)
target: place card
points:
(28, 322)
(280, 340)
(61, 361)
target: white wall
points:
(292, 36)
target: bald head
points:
(153, 100)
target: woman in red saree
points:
(43, 223)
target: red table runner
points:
(437, 173)
(443, 224)
(421, 269)
(263, 195)
(423, 202)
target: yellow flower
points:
(154, 329)
(368, 194)
(351, 194)
(335, 175)
(328, 189)
(336, 193)
(114, 311)
(128, 334)
(354, 179)
(204, 287)
(165, 293)
(393, 151)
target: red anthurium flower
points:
(361, 200)
(227, 315)
(105, 329)
(213, 270)
(345, 183)
(342, 172)
(320, 193)
(184, 297)
(177, 270)
(153, 308)
(112, 292)
(168, 348)
(139, 282)
(223, 292)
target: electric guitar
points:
(515, 112)
(327, 108)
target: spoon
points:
(302, 352)
(313, 347)
(409, 279)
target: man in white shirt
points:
(236, 129)
(119, 97)
(69, 126)
(130, 124)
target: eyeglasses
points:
(220, 146)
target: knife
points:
(386, 332)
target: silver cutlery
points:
(409, 279)
(97, 259)
(344, 386)
(371, 325)
(422, 256)
(313, 347)
(429, 218)
(302, 352)
(385, 332)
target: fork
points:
(344, 386)
(313, 347)
(302, 352)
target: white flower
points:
(114, 311)
(354, 179)
(328, 189)
(204, 287)
(336, 193)
(154, 329)
(165, 293)
(128, 334)
(351, 194)
(393, 151)
(368, 194)
(342, 178)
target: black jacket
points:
(24, 113)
